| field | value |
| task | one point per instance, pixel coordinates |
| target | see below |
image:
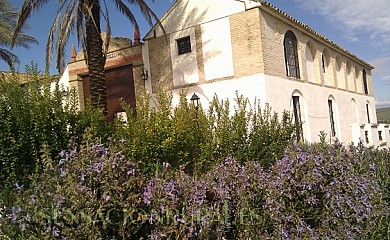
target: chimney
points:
(137, 38)
(73, 54)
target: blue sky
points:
(360, 26)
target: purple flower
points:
(19, 187)
(130, 172)
(62, 153)
(15, 212)
(62, 171)
(106, 198)
(148, 194)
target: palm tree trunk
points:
(95, 56)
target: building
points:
(255, 49)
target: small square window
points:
(184, 45)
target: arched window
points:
(324, 63)
(332, 116)
(291, 55)
(297, 113)
(325, 60)
(365, 82)
(368, 112)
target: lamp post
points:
(144, 74)
(195, 101)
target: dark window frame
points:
(297, 118)
(323, 58)
(368, 112)
(365, 87)
(291, 54)
(331, 118)
(183, 45)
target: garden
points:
(178, 172)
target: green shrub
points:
(197, 140)
(32, 116)
(35, 116)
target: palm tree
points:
(83, 17)
(7, 27)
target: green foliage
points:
(188, 137)
(33, 116)
(383, 115)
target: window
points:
(297, 118)
(366, 136)
(331, 118)
(365, 82)
(184, 45)
(323, 63)
(291, 55)
(368, 112)
(380, 136)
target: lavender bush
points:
(92, 192)
(325, 193)
(322, 192)
(218, 205)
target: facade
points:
(257, 50)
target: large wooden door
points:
(120, 87)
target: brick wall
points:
(246, 43)
(160, 64)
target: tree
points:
(83, 17)
(7, 27)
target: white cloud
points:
(382, 68)
(382, 104)
(369, 16)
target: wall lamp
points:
(195, 100)
(144, 74)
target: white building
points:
(251, 47)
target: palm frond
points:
(108, 29)
(28, 7)
(66, 27)
(8, 57)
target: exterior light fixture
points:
(195, 100)
(65, 93)
(144, 74)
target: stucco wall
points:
(251, 87)
(314, 103)
(188, 13)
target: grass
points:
(383, 115)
